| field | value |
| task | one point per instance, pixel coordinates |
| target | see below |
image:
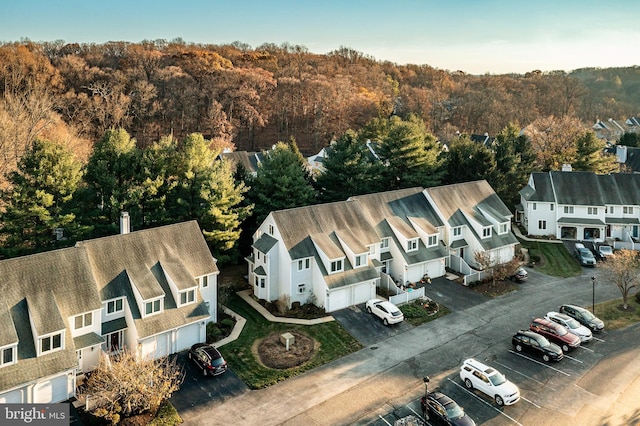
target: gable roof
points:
(142, 259)
(44, 289)
(467, 198)
(249, 160)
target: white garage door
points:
(54, 390)
(156, 347)
(188, 336)
(13, 397)
(436, 269)
(338, 299)
(364, 292)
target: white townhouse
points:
(582, 205)
(475, 220)
(150, 292)
(333, 254)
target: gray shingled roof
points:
(577, 188)
(249, 160)
(87, 340)
(265, 243)
(29, 283)
(542, 189)
(320, 221)
(8, 334)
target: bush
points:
(228, 322)
(213, 332)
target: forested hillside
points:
(254, 97)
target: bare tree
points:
(622, 269)
(123, 386)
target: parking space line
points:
(384, 420)
(530, 402)
(599, 340)
(574, 359)
(522, 374)
(541, 363)
(485, 402)
(586, 348)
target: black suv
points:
(208, 359)
(583, 316)
(438, 406)
(534, 343)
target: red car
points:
(555, 333)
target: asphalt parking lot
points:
(367, 328)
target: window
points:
(551, 207)
(302, 288)
(486, 232)
(534, 206)
(359, 260)
(83, 320)
(205, 281)
(568, 209)
(336, 266)
(608, 210)
(457, 231)
(412, 245)
(542, 224)
(504, 228)
(188, 296)
(384, 243)
(51, 343)
(592, 210)
(262, 282)
(304, 264)
(372, 249)
(152, 307)
(270, 232)
(627, 210)
(114, 306)
(432, 240)
(8, 356)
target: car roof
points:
(545, 321)
(387, 304)
(579, 245)
(576, 307)
(442, 398)
(558, 315)
(480, 366)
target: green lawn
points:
(614, 317)
(415, 314)
(335, 342)
(555, 260)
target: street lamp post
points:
(593, 294)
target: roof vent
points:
(566, 167)
(125, 223)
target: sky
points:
(477, 37)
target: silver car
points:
(571, 325)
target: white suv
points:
(489, 381)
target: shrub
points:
(213, 332)
(228, 322)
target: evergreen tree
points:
(281, 182)
(207, 192)
(349, 169)
(37, 204)
(629, 139)
(591, 156)
(469, 161)
(110, 184)
(515, 161)
(411, 156)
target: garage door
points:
(54, 390)
(338, 299)
(364, 292)
(436, 269)
(156, 347)
(188, 336)
(13, 397)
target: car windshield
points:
(586, 253)
(587, 315)
(217, 362)
(497, 379)
(606, 249)
(454, 411)
(572, 324)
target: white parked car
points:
(385, 310)
(489, 381)
(605, 251)
(572, 325)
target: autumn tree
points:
(350, 168)
(622, 269)
(124, 386)
(554, 141)
(282, 181)
(37, 213)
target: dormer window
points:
(8, 356)
(486, 232)
(412, 245)
(50, 343)
(114, 306)
(336, 266)
(152, 307)
(84, 320)
(205, 281)
(503, 228)
(432, 240)
(187, 297)
(360, 260)
(304, 264)
(384, 244)
(457, 231)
